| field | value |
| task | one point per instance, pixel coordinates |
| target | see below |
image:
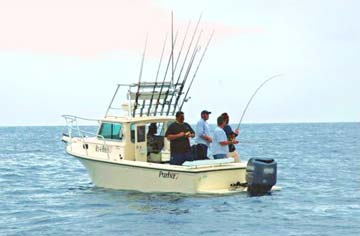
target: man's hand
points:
(208, 138)
(237, 131)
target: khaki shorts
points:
(234, 155)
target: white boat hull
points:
(150, 177)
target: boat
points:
(121, 155)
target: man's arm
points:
(225, 141)
(171, 135)
(228, 130)
(175, 136)
(200, 130)
(192, 132)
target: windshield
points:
(111, 131)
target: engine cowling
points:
(260, 175)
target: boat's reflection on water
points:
(168, 203)
(140, 202)
(125, 202)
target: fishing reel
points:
(232, 137)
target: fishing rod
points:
(174, 69)
(187, 53)
(172, 47)
(197, 68)
(247, 105)
(141, 69)
(172, 64)
(196, 50)
(182, 45)
(163, 83)
(142, 108)
(157, 75)
(182, 67)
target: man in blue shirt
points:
(220, 148)
(203, 138)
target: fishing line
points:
(251, 98)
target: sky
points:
(66, 57)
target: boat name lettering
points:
(102, 148)
(168, 175)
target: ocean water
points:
(43, 191)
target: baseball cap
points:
(205, 112)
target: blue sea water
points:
(43, 191)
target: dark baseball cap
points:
(205, 112)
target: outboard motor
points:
(260, 175)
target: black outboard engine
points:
(260, 175)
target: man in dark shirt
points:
(179, 133)
(231, 135)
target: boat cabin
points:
(137, 139)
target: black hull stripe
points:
(154, 168)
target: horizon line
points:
(248, 123)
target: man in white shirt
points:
(220, 147)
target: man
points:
(203, 138)
(230, 134)
(152, 144)
(220, 144)
(179, 133)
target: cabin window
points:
(111, 131)
(160, 128)
(132, 131)
(141, 133)
(140, 130)
(155, 129)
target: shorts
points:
(180, 158)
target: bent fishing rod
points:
(253, 95)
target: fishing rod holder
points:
(166, 97)
(145, 96)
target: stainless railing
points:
(73, 126)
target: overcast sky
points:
(66, 57)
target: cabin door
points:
(140, 143)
